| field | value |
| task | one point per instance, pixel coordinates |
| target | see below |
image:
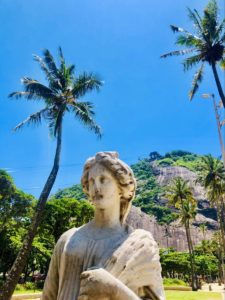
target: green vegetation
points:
(74, 191)
(178, 295)
(177, 264)
(173, 282)
(148, 192)
(181, 159)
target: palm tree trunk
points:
(222, 235)
(191, 253)
(219, 87)
(20, 262)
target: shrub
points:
(174, 282)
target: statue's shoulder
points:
(143, 238)
(67, 235)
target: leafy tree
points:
(16, 208)
(205, 46)
(14, 204)
(154, 156)
(180, 195)
(74, 191)
(60, 96)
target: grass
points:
(180, 295)
(27, 292)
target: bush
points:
(165, 162)
(173, 282)
(19, 287)
(30, 286)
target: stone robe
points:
(130, 256)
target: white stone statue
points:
(105, 259)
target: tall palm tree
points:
(60, 96)
(212, 177)
(180, 196)
(205, 46)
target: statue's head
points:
(120, 178)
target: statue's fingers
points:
(84, 275)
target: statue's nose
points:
(96, 187)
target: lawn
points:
(180, 295)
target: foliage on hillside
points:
(181, 158)
(148, 192)
(74, 191)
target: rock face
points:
(164, 177)
(166, 174)
(166, 235)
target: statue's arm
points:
(50, 290)
(99, 284)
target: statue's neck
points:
(104, 218)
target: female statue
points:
(105, 259)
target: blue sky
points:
(143, 105)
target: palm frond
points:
(61, 57)
(196, 81)
(176, 29)
(49, 60)
(37, 89)
(222, 63)
(18, 95)
(71, 69)
(84, 112)
(219, 31)
(196, 19)
(53, 81)
(86, 83)
(188, 40)
(177, 52)
(34, 119)
(43, 66)
(189, 62)
(209, 21)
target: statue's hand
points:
(97, 284)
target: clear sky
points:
(143, 105)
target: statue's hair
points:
(122, 173)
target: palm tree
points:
(205, 46)
(180, 196)
(60, 96)
(212, 177)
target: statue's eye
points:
(102, 179)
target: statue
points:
(105, 259)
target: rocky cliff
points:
(206, 214)
(172, 235)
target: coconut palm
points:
(204, 46)
(60, 96)
(212, 177)
(180, 196)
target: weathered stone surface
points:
(166, 235)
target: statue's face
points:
(103, 187)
